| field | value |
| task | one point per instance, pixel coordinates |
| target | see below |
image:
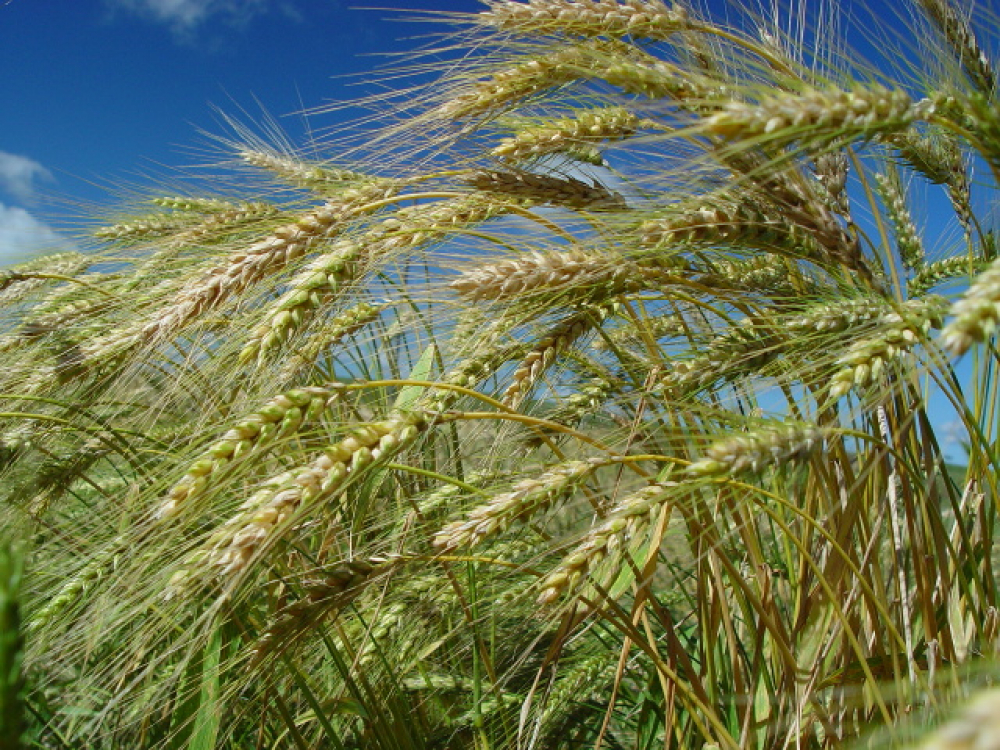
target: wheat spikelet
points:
(932, 274)
(151, 225)
(218, 224)
(331, 591)
(764, 273)
(556, 341)
(976, 314)
(62, 316)
(518, 82)
(908, 242)
(323, 279)
(635, 72)
(741, 349)
(538, 272)
(547, 189)
(568, 133)
(759, 449)
(897, 334)
(316, 283)
(75, 586)
(298, 172)
(418, 225)
(813, 116)
(625, 520)
(831, 173)
(585, 682)
(938, 157)
(959, 35)
(719, 223)
(194, 205)
(234, 545)
(527, 498)
(651, 19)
(280, 417)
(975, 113)
(16, 282)
(246, 267)
(332, 332)
(469, 372)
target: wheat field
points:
(629, 380)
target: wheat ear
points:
(626, 520)
(759, 449)
(817, 115)
(279, 418)
(651, 19)
(527, 498)
(235, 544)
(976, 314)
(897, 334)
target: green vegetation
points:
(594, 402)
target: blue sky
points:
(99, 92)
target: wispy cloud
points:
(185, 15)
(20, 175)
(22, 236)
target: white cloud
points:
(184, 15)
(18, 175)
(22, 236)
